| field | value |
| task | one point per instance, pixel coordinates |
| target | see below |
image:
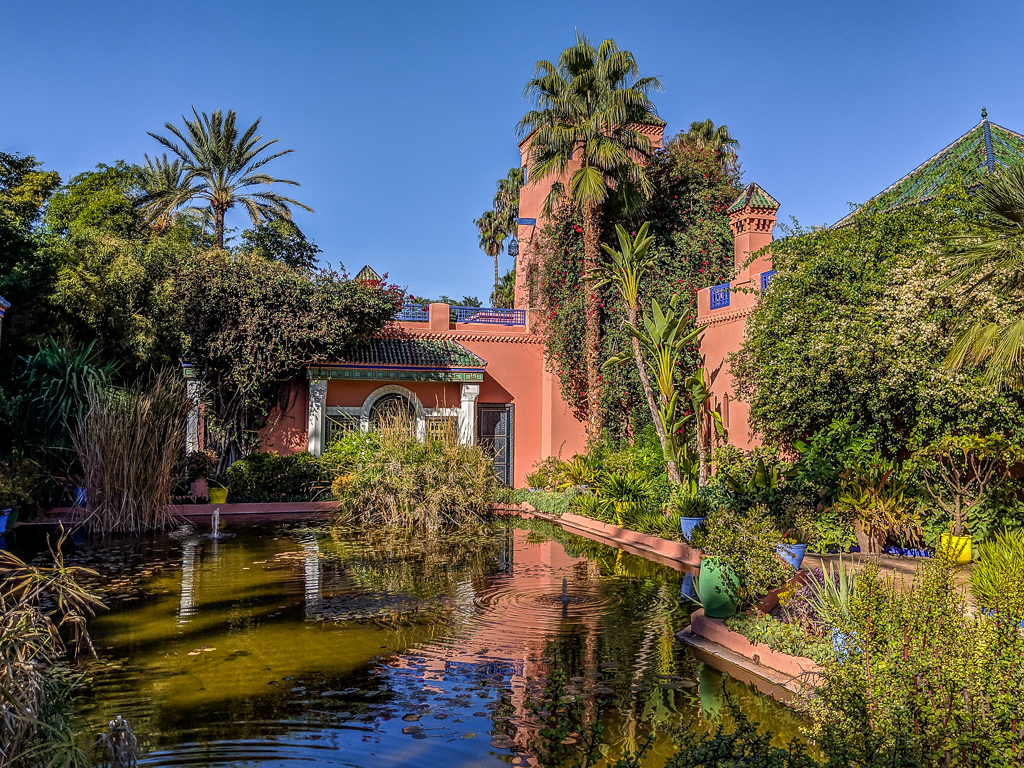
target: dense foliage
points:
(857, 325)
(392, 477)
(692, 249)
(251, 325)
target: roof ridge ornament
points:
(984, 114)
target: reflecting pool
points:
(294, 644)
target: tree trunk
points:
(494, 296)
(645, 381)
(218, 227)
(702, 448)
(592, 318)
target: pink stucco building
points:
(483, 369)
(723, 309)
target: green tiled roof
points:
(978, 153)
(423, 353)
(755, 197)
(368, 274)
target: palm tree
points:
(995, 259)
(165, 188)
(220, 165)
(492, 239)
(705, 134)
(588, 110)
(506, 199)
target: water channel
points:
(289, 644)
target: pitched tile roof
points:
(979, 152)
(425, 353)
(368, 274)
(4, 304)
(753, 196)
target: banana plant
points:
(664, 335)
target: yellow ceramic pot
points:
(956, 548)
(218, 495)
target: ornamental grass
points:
(129, 443)
(394, 477)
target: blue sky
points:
(402, 114)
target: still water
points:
(295, 644)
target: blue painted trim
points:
(719, 296)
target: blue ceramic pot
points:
(688, 524)
(4, 514)
(80, 496)
(841, 644)
(792, 554)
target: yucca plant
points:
(628, 492)
(581, 470)
(593, 506)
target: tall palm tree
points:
(220, 166)
(588, 110)
(995, 259)
(705, 134)
(506, 199)
(492, 239)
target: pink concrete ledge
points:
(674, 550)
(261, 508)
(715, 631)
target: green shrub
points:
(782, 636)
(747, 542)
(549, 501)
(391, 477)
(19, 481)
(931, 684)
(684, 504)
(268, 477)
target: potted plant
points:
(692, 510)
(794, 547)
(873, 495)
(718, 588)
(200, 473)
(218, 485)
(960, 473)
(829, 600)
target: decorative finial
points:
(984, 114)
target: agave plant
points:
(830, 598)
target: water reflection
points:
(297, 643)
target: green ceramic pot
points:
(718, 588)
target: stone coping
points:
(673, 550)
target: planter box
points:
(204, 511)
(675, 550)
(715, 631)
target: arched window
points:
(390, 407)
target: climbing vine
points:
(693, 245)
